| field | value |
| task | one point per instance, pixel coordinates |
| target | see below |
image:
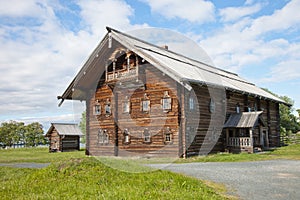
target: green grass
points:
(71, 175)
(36, 155)
(287, 152)
(88, 178)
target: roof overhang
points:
(244, 120)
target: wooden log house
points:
(63, 137)
(142, 99)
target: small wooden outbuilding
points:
(63, 137)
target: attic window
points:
(146, 136)
(145, 103)
(103, 137)
(107, 107)
(166, 102)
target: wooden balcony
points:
(239, 142)
(125, 74)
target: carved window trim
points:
(126, 135)
(97, 108)
(145, 104)
(166, 102)
(103, 137)
(107, 108)
(146, 136)
(168, 136)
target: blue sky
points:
(45, 42)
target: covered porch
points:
(246, 132)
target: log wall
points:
(135, 122)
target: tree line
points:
(14, 133)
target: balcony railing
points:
(239, 141)
(122, 74)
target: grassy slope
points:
(74, 176)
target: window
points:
(145, 103)
(192, 103)
(166, 102)
(126, 136)
(168, 135)
(237, 108)
(126, 105)
(107, 107)
(97, 108)
(103, 137)
(146, 136)
(212, 106)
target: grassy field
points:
(72, 175)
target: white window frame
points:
(166, 102)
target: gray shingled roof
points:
(243, 120)
(182, 69)
(65, 129)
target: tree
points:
(288, 121)
(34, 134)
(82, 126)
(11, 133)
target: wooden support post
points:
(116, 146)
(269, 122)
(128, 62)
(227, 137)
(182, 136)
(114, 69)
(137, 66)
(106, 67)
(87, 127)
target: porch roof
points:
(243, 120)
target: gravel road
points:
(273, 179)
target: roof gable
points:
(180, 68)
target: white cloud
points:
(284, 71)
(243, 43)
(280, 20)
(235, 13)
(198, 11)
(39, 60)
(100, 13)
(20, 8)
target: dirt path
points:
(273, 179)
